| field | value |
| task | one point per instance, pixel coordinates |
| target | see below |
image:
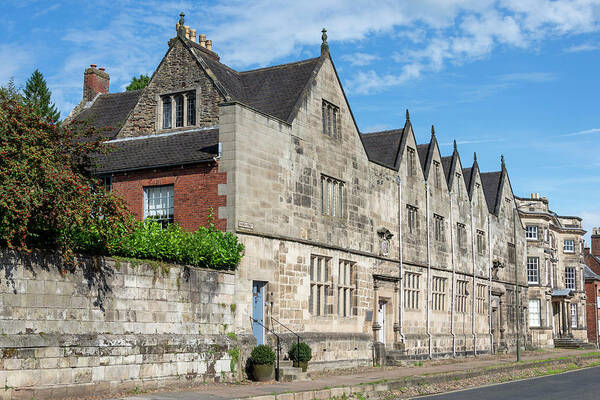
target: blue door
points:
(258, 307)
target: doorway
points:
(258, 311)
(381, 320)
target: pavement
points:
(364, 376)
(581, 384)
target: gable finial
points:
(180, 25)
(502, 161)
(324, 44)
(455, 149)
(432, 132)
(474, 156)
(407, 115)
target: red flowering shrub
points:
(48, 197)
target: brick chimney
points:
(94, 81)
(596, 242)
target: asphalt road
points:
(583, 384)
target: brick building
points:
(351, 238)
(592, 286)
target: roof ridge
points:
(278, 66)
(121, 93)
(383, 132)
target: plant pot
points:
(301, 364)
(262, 373)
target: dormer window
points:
(178, 110)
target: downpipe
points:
(428, 269)
(401, 267)
(474, 293)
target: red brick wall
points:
(592, 289)
(195, 190)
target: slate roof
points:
(382, 147)
(188, 147)
(491, 186)
(466, 173)
(589, 274)
(272, 90)
(109, 110)
(447, 166)
(562, 292)
(423, 149)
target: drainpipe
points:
(428, 267)
(490, 241)
(453, 280)
(400, 272)
(473, 292)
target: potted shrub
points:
(262, 358)
(300, 354)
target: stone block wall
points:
(113, 325)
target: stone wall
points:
(113, 325)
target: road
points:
(582, 384)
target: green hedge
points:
(206, 247)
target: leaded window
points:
(166, 116)
(178, 110)
(345, 287)
(191, 108)
(158, 204)
(574, 317)
(461, 235)
(412, 218)
(410, 161)
(320, 286)
(411, 290)
(481, 299)
(332, 196)
(330, 115)
(480, 242)
(438, 228)
(438, 293)
(461, 296)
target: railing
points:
(278, 346)
(297, 338)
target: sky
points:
(512, 77)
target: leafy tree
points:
(48, 197)
(10, 92)
(37, 95)
(138, 82)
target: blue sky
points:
(512, 77)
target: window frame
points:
(411, 219)
(320, 288)
(462, 296)
(438, 293)
(533, 270)
(570, 278)
(481, 299)
(345, 288)
(438, 228)
(574, 315)
(179, 116)
(332, 196)
(170, 204)
(535, 316)
(533, 233)
(569, 248)
(412, 290)
(330, 114)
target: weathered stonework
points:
(160, 325)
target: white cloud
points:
(528, 77)
(372, 82)
(20, 61)
(360, 59)
(584, 132)
(582, 47)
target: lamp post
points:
(517, 307)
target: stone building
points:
(350, 238)
(555, 274)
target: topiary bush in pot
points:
(262, 358)
(300, 354)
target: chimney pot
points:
(596, 241)
(202, 39)
(102, 69)
(93, 65)
(209, 44)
